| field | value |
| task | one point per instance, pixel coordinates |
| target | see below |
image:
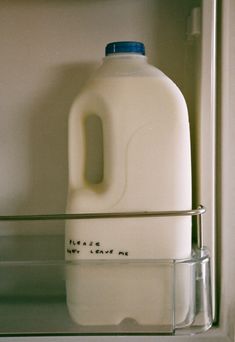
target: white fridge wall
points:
(48, 49)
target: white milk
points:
(129, 150)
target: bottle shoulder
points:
(151, 80)
(131, 82)
(127, 68)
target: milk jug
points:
(129, 150)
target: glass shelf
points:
(157, 297)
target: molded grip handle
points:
(89, 131)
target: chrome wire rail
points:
(108, 215)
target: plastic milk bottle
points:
(129, 150)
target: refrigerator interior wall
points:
(48, 50)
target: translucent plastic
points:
(33, 281)
(129, 150)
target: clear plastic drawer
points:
(40, 293)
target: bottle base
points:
(108, 293)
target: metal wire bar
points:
(137, 214)
(200, 231)
(193, 212)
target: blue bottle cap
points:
(125, 47)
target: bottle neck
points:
(125, 56)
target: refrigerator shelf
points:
(171, 297)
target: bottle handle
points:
(86, 149)
(110, 180)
